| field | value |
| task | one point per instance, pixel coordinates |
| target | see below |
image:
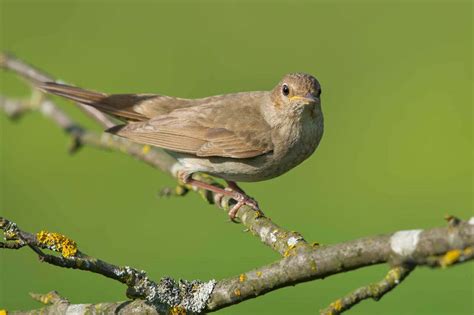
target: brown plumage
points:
(249, 136)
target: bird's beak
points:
(308, 99)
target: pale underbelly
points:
(256, 169)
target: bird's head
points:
(297, 93)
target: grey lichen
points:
(189, 295)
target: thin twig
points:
(36, 76)
(374, 290)
(52, 297)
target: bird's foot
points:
(242, 199)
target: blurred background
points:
(396, 154)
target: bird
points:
(238, 137)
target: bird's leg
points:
(233, 191)
(233, 185)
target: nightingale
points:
(239, 137)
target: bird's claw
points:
(242, 200)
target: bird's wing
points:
(128, 107)
(222, 129)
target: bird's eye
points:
(285, 89)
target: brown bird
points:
(248, 136)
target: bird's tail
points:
(118, 105)
(74, 93)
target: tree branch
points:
(437, 247)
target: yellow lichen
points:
(259, 274)
(57, 242)
(242, 277)
(178, 310)
(288, 251)
(47, 298)
(146, 149)
(450, 258)
(468, 251)
(337, 305)
(314, 244)
(237, 292)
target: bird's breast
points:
(295, 142)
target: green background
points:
(396, 154)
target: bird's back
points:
(141, 107)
